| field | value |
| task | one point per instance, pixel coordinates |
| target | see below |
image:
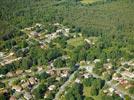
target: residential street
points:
(62, 88)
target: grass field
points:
(89, 1)
(86, 93)
(76, 41)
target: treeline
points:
(114, 28)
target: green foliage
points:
(75, 92)
(59, 62)
(2, 85)
(2, 97)
(42, 75)
(39, 91)
(131, 90)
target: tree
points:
(127, 97)
(39, 91)
(53, 54)
(43, 75)
(59, 63)
(131, 90)
(88, 81)
(2, 85)
(2, 97)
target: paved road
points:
(10, 61)
(62, 88)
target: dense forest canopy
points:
(113, 20)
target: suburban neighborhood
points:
(67, 50)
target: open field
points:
(76, 41)
(89, 1)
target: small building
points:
(28, 71)
(38, 25)
(1, 75)
(58, 78)
(25, 85)
(10, 74)
(88, 41)
(51, 72)
(96, 60)
(51, 87)
(59, 31)
(64, 74)
(67, 30)
(12, 98)
(128, 74)
(34, 33)
(39, 68)
(32, 81)
(77, 80)
(128, 86)
(87, 75)
(56, 24)
(18, 72)
(105, 91)
(17, 88)
(111, 90)
(1, 54)
(27, 96)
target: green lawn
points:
(86, 92)
(76, 41)
(89, 1)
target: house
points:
(51, 72)
(96, 60)
(28, 71)
(123, 82)
(32, 81)
(77, 80)
(56, 24)
(87, 75)
(3, 90)
(64, 74)
(38, 24)
(1, 54)
(111, 90)
(58, 72)
(27, 96)
(89, 68)
(18, 72)
(67, 30)
(105, 91)
(34, 33)
(17, 88)
(51, 87)
(58, 78)
(128, 74)
(108, 60)
(10, 74)
(1, 75)
(25, 85)
(59, 31)
(39, 68)
(128, 86)
(88, 41)
(12, 98)
(108, 66)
